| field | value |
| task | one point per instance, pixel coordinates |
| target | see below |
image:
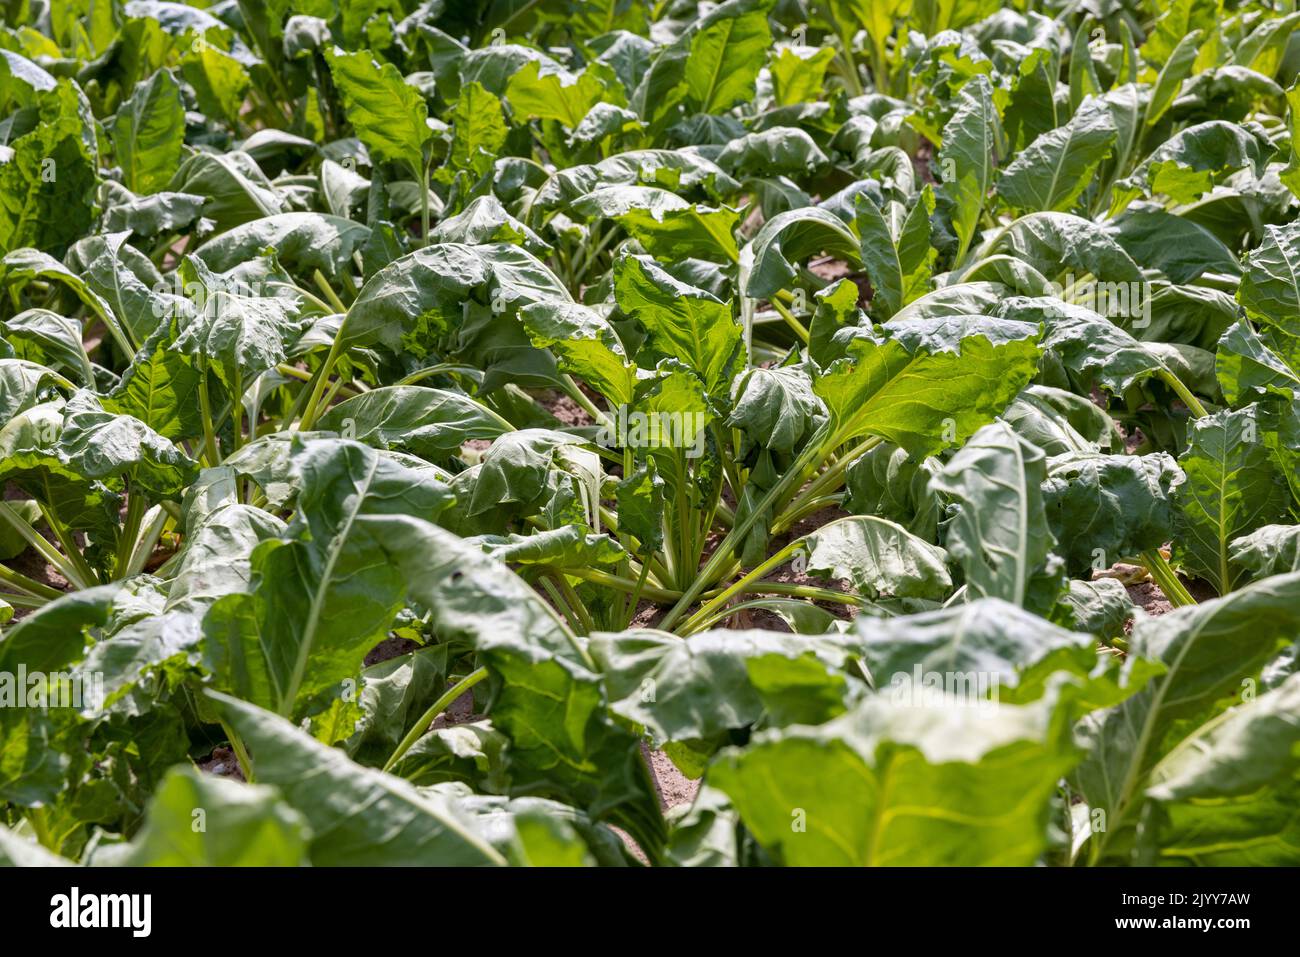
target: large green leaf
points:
(325, 592)
(1208, 651)
(543, 90)
(968, 155)
(897, 784)
(667, 226)
(585, 344)
(238, 336)
(49, 174)
(712, 65)
(1106, 508)
(692, 692)
(1233, 487)
(551, 701)
(358, 816)
(303, 241)
(388, 114)
(931, 383)
(1057, 244)
(789, 237)
(1270, 287)
(1000, 533)
(682, 321)
(202, 820)
(1225, 796)
(1056, 167)
(148, 133)
(425, 292)
(877, 557)
(430, 423)
(982, 651)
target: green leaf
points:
(789, 237)
(778, 151)
(902, 785)
(551, 704)
(568, 546)
(301, 241)
(1000, 533)
(215, 559)
(148, 133)
(695, 691)
(1172, 74)
(430, 423)
(325, 592)
(479, 129)
(235, 187)
(585, 344)
(485, 220)
(1176, 21)
(1189, 163)
(47, 337)
(97, 444)
(878, 557)
(239, 336)
(971, 145)
(1248, 369)
(243, 825)
(16, 851)
(682, 321)
(388, 114)
(1056, 167)
(123, 278)
(712, 66)
(1105, 508)
(797, 73)
(425, 293)
(1086, 342)
(776, 408)
(1180, 248)
(1232, 488)
(543, 90)
(1056, 242)
(1269, 550)
(985, 649)
(1207, 650)
(880, 256)
(48, 175)
(358, 816)
(666, 226)
(1225, 794)
(160, 387)
(1270, 287)
(25, 384)
(220, 81)
(1101, 607)
(932, 383)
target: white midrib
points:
(318, 596)
(1022, 520)
(1148, 724)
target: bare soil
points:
(223, 763)
(832, 270)
(393, 647)
(570, 414)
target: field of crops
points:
(602, 432)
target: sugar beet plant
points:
(800, 389)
